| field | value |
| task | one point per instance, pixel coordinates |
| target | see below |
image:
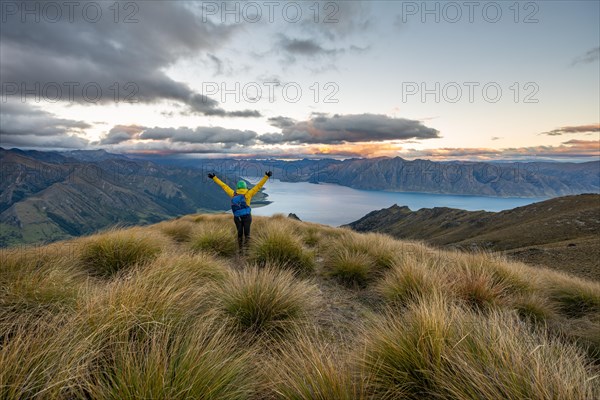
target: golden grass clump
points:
(440, 350)
(381, 249)
(309, 369)
(37, 280)
(110, 252)
(482, 280)
(265, 301)
(40, 361)
(311, 236)
(195, 362)
(184, 270)
(574, 297)
(349, 266)
(534, 308)
(179, 230)
(409, 280)
(275, 244)
(216, 238)
(172, 289)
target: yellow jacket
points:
(248, 194)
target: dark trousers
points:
(243, 228)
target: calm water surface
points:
(337, 205)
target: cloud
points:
(592, 128)
(121, 133)
(200, 135)
(568, 149)
(589, 57)
(79, 53)
(338, 129)
(22, 125)
(282, 122)
(303, 47)
(338, 20)
(218, 64)
(21, 118)
(356, 150)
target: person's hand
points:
(211, 175)
(269, 174)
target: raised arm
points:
(223, 185)
(259, 185)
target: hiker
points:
(240, 205)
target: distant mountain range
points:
(507, 179)
(561, 233)
(47, 196)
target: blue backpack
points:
(239, 206)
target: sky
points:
(468, 80)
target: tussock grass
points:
(534, 308)
(309, 369)
(148, 295)
(184, 270)
(349, 266)
(215, 237)
(483, 280)
(402, 354)
(480, 289)
(266, 301)
(408, 280)
(213, 217)
(382, 250)
(277, 245)
(179, 230)
(440, 350)
(39, 361)
(312, 236)
(37, 284)
(107, 253)
(575, 297)
(147, 313)
(200, 362)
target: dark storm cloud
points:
(24, 126)
(105, 53)
(350, 128)
(200, 135)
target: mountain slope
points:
(469, 178)
(561, 232)
(510, 179)
(47, 196)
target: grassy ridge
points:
(310, 312)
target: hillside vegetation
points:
(49, 196)
(170, 311)
(560, 233)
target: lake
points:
(338, 205)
